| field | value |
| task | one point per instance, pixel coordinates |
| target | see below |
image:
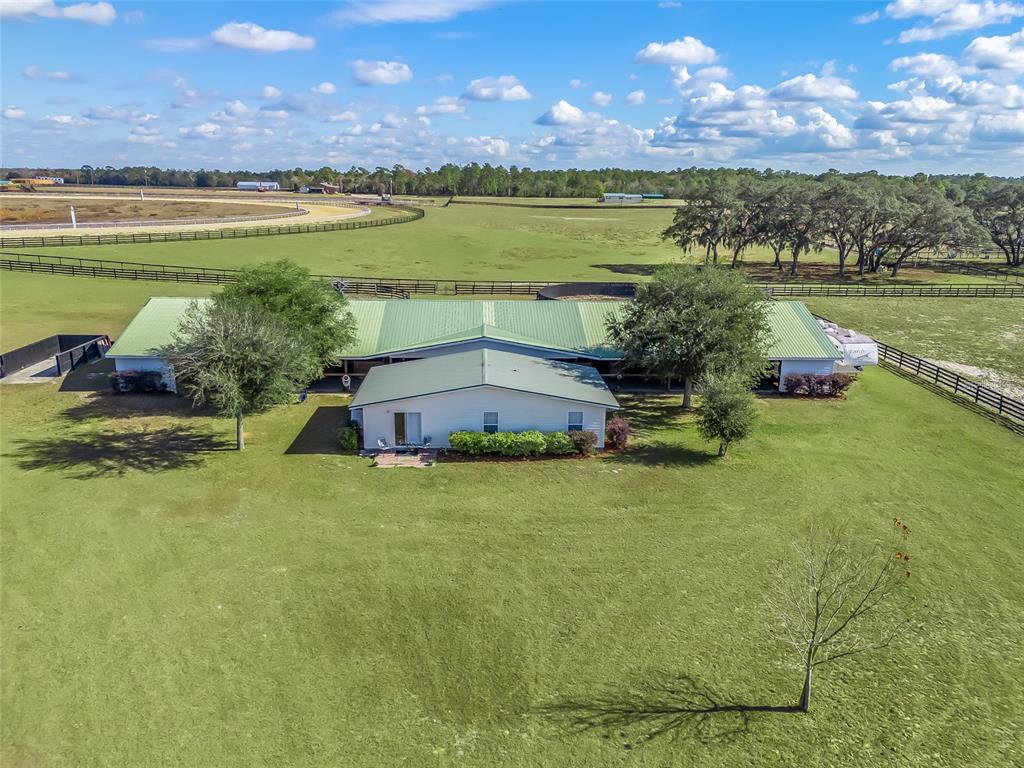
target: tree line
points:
(878, 221)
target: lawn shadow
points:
(108, 405)
(99, 454)
(649, 418)
(661, 455)
(629, 269)
(671, 706)
(319, 434)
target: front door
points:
(407, 428)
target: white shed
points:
(482, 390)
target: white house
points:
(480, 390)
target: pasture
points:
(480, 242)
(169, 601)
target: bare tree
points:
(843, 601)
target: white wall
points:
(146, 364)
(464, 409)
(789, 367)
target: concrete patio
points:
(424, 458)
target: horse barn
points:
(543, 364)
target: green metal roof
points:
(152, 328)
(391, 327)
(796, 334)
(483, 368)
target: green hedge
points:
(529, 443)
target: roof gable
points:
(483, 368)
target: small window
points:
(490, 421)
(575, 421)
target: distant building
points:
(45, 180)
(621, 197)
(653, 197)
(257, 186)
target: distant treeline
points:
(472, 179)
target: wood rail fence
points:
(401, 287)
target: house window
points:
(490, 421)
(575, 421)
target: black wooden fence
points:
(402, 287)
(1002, 404)
(973, 268)
(962, 290)
(408, 213)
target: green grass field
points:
(33, 306)
(168, 601)
(981, 333)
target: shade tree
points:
(687, 321)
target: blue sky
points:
(905, 86)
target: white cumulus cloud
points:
(949, 17)
(503, 88)
(201, 131)
(1002, 52)
(380, 72)
(600, 99)
(325, 88)
(443, 105)
(687, 50)
(562, 113)
(396, 11)
(14, 113)
(811, 87)
(252, 37)
(271, 92)
(101, 14)
(636, 98)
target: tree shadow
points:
(629, 269)
(647, 414)
(319, 434)
(661, 455)
(108, 405)
(673, 707)
(99, 454)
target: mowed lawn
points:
(169, 601)
(981, 333)
(34, 305)
(472, 241)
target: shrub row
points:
(137, 381)
(529, 443)
(818, 385)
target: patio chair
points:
(426, 442)
(384, 445)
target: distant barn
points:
(257, 186)
(621, 197)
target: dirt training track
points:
(265, 211)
